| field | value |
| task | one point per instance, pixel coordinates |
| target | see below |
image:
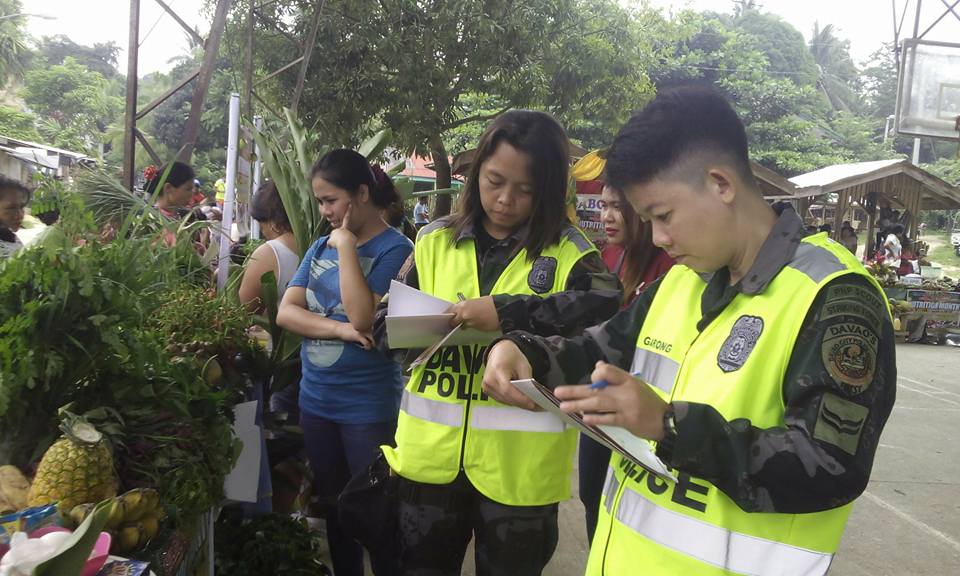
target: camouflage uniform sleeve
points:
(838, 391)
(592, 294)
(557, 360)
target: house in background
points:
(420, 170)
(20, 159)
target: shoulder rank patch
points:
(740, 343)
(849, 354)
(840, 422)
(541, 276)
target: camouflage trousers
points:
(436, 523)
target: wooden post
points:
(210, 50)
(247, 108)
(130, 115)
(307, 51)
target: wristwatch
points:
(665, 445)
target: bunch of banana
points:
(590, 167)
(900, 306)
(134, 518)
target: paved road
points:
(908, 521)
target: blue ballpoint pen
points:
(601, 384)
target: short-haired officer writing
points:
(763, 365)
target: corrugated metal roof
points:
(825, 177)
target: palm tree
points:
(837, 75)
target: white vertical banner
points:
(230, 196)
(257, 177)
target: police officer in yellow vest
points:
(469, 465)
(763, 365)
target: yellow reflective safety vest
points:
(737, 365)
(446, 422)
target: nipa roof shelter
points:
(898, 183)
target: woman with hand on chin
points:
(349, 394)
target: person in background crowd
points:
(908, 257)
(14, 197)
(177, 190)
(848, 237)
(198, 196)
(893, 246)
(630, 254)
(396, 217)
(279, 254)
(469, 466)
(826, 228)
(763, 365)
(421, 215)
(349, 394)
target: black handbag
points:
(368, 508)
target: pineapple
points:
(77, 469)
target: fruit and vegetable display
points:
(119, 370)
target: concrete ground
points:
(908, 521)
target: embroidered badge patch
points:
(849, 354)
(739, 344)
(540, 278)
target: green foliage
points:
(76, 103)
(48, 196)
(288, 153)
(100, 58)
(783, 45)
(429, 68)
(18, 124)
(80, 544)
(879, 82)
(837, 76)
(946, 168)
(80, 317)
(268, 545)
(13, 40)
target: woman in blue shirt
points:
(349, 393)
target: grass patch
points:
(941, 252)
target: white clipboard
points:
(621, 441)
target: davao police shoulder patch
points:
(541, 276)
(740, 343)
(849, 354)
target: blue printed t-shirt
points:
(342, 381)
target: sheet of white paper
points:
(407, 301)
(416, 319)
(636, 449)
(242, 484)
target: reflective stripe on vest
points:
(430, 410)
(610, 488)
(655, 369)
(509, 418)
(732, 551)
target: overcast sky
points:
(866, 23)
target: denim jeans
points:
(337, 452)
